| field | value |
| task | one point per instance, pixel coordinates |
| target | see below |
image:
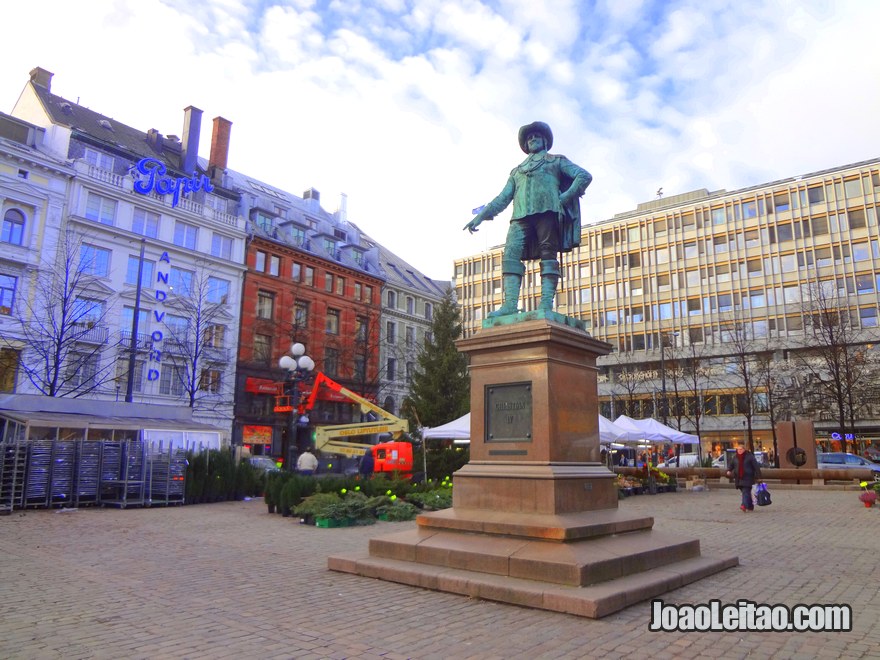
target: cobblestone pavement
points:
(231, 581)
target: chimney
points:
(311, 193)
(41, 77)
(343, 208)
(192, 125)
(154, 139)
(219, 148)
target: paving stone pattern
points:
(231, 581)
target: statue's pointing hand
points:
(473, 224)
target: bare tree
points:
(194, 347)
(632, 379)
(63, 322)
(739, 336)
(838, 361)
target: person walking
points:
(368, 465)
(307, 463)
(746, 473)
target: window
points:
(856, 219)
(861, 252)
(145, 223)
(260, 263)
(332, 325)
(750, 209)
(358, 290)
(391, 297)
(98, 159)
(330, 246)
(215, 336)
(221, 246)
(391, 369)
(210, 381)
(274, 265)
(13, 227)
(310, 276)
(410, 336)
(690, 250)
(94, 260)
(185, 235)
(262, 348)
(265, 223)
(864, 283)
(82, 369)
(360, 328)
(331, 361)
(410, 369)
(781, 202)
(100, 209)
(180, 281)
(7, 293)
(368, 294)
(128, 320)
(265, 305)
(301, 314)
(868, 316)
(328, 282)
(172, 380)
(296, 272)
(122, 374)
(177, 325)
(410, 305)
(429, 311)
(852, 188)
(718, 217)
(218, 291)
(360, 368)
(146, 274)
(816, 195)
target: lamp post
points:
(298, 368)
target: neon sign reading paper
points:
(158, 181)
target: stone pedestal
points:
(534, 520)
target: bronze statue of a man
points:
(545, 190)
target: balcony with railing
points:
(89, 333)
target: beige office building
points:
(725, 279)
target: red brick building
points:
(292, 294)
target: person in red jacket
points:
(746, 473)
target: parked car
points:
(872, 454)
(685, 460)
(845, 460)
(264, 463)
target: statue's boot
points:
(510, 285)
(549, 281)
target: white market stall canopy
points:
(654, 431)
(457, 429)
(609, 433)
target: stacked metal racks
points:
(88, 472)
(123, 473)
(167, 476)
(62, 473)
(39, 473)
(13, 463)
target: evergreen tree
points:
(440, 389)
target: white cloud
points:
(411, 107)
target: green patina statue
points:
(545, 190)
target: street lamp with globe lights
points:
(298, 369)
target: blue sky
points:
(411, 107)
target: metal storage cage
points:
(88, 472)
(123, 473)
(39, 469)
(166, 475)
(13, 459)
(61, 474)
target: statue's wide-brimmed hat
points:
(535, 127)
